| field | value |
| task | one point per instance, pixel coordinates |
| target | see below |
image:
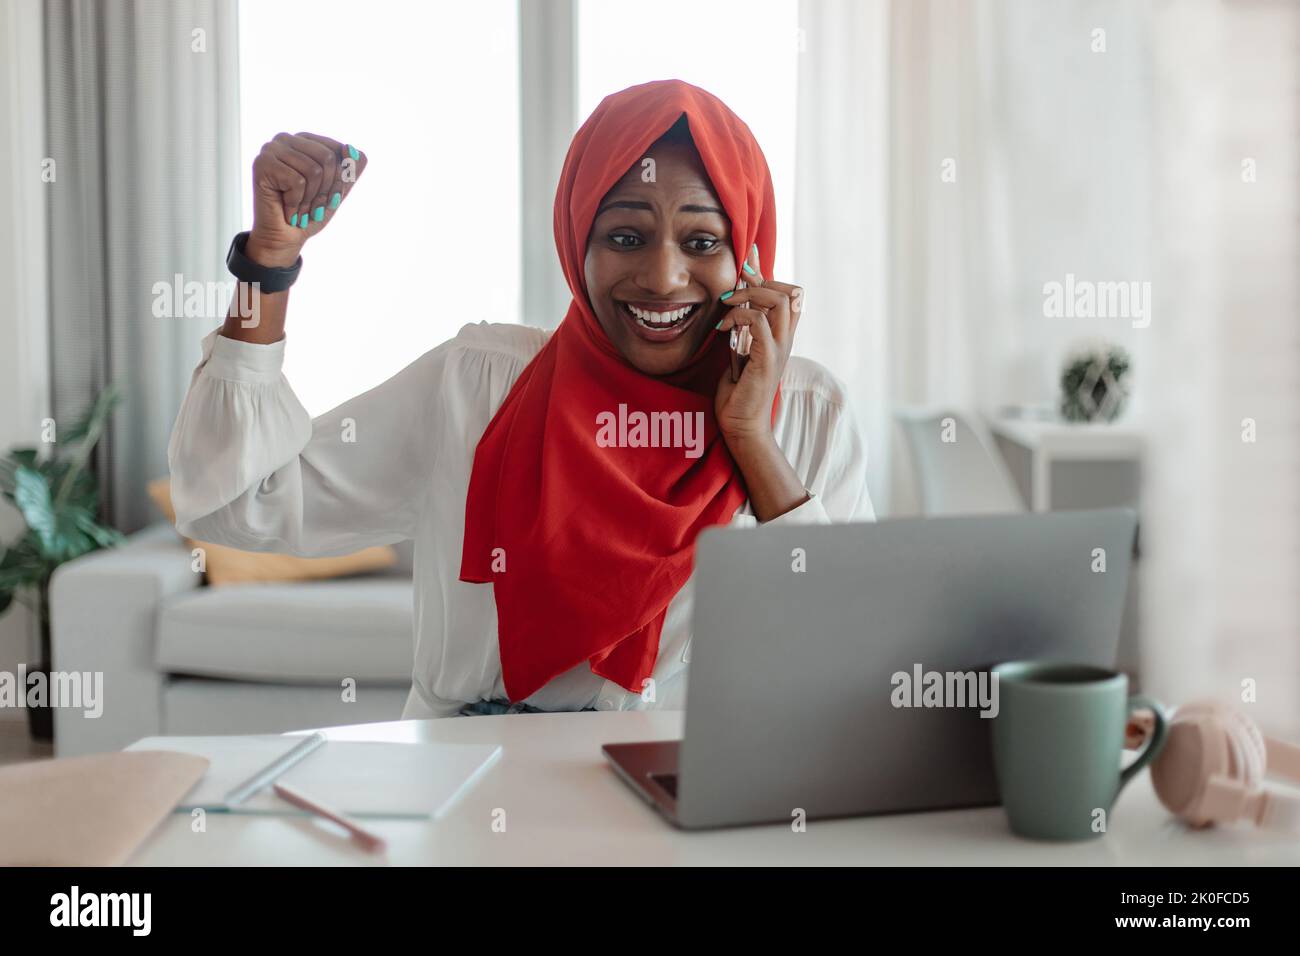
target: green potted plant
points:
(1095, 384)
(58, 497)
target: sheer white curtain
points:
(947, 238)
(841, 210)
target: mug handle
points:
(1155, 740)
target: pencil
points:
(370, 841)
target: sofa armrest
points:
(103, 618)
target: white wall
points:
(24, 356)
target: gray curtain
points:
(548, 107)
(143, 126)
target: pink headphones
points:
(1212, 767)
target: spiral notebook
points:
(363, 779)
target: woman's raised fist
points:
(299, 182)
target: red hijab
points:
(595, 541)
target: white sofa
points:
(181, 658)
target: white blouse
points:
(252, 470)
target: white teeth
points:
(659, 318)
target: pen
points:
(370, 841)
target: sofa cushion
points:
(201, 706)
(311, 632)
(226, 566)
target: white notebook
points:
(359, 778)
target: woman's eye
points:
(625, 240)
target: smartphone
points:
(741, 339)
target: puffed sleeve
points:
(828, 450)
(252, 470)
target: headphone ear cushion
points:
(1247, 752)
(1194, 748)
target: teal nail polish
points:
(318, 213)
(293, 220)
(335, 200)
(754, 249)
(352, 151)
(302, 223)
(750, 269)
(719, 325)
(726, 295)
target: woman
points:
(554, 529)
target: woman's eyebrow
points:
(638, 204)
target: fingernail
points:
(754, 249)
(719, 325)
(726, 295)
(318, 213)
(749, 269)
(302, 223)
(293, 220)
(335, 200)
(352, 151)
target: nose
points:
(663, 269)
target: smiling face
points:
(658, 256)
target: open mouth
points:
(661, 324)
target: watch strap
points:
(268, 278)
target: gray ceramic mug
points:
(1057, 741)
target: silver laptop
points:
(792, 693)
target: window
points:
(430, 239)
(710, 45)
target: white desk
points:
(564, 805)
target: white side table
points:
(1059, 466)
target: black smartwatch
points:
(246, 270)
